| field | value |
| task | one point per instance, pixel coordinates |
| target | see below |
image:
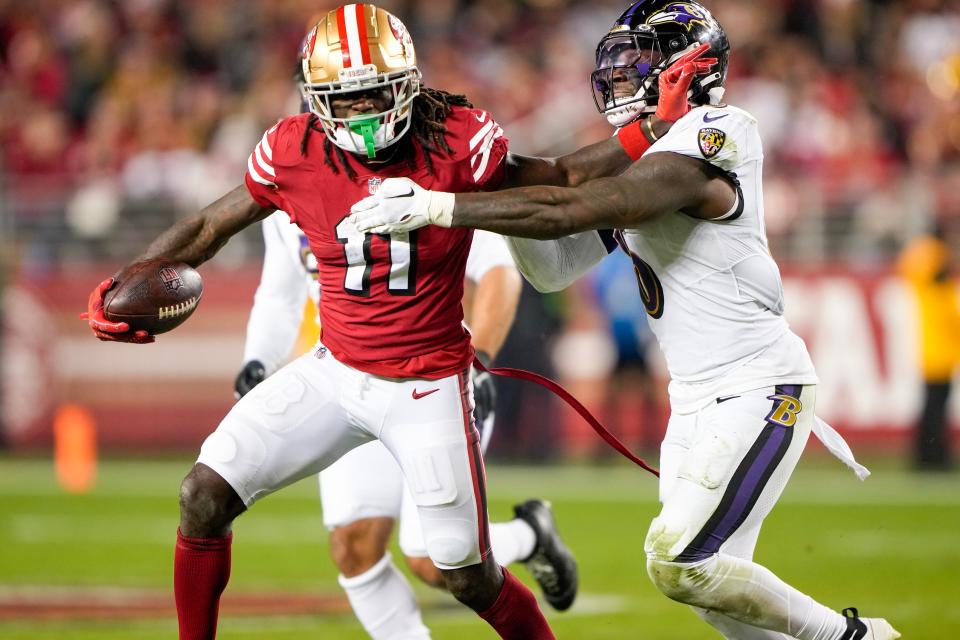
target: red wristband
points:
(633, 140)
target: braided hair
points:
(430, 108)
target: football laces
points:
(174, 310)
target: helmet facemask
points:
(365, 134)
(625, 79)
(357, 49)
(643, 42)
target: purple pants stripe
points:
(745, 486)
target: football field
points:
(98, 566)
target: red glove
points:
(675, 80)
(103, 328)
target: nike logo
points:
(707, 118)
(403, 195)
(725, 398)
(481, 116)
(417, 396)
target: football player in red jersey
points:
(393, 358)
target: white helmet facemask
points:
(368, 133)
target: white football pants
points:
(303, 418)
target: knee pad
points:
(448, 548)
(687, 582)
(441, 488)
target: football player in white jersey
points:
(689, 212)
(364, 493)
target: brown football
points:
(154, 295)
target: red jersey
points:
(391, 304)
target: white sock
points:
(751, 594)
(512, 541)
(383, 602)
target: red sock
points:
(201, 568)
(515, 614)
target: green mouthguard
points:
(365, 128)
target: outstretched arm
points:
(196, 239)
(657, 184)
(193, 240)
(601, 159)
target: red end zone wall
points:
(859, 326)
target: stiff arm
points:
(553, 265)
(656, 184)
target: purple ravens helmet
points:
(644, 41)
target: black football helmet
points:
(644, 41)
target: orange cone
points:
(75, 448)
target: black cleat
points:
(856, 628)
(551, 563)
(867, 628)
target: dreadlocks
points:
(430, 108)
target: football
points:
(154, 295)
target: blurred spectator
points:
(159, 101)
(926, 264)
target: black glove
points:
(252, 374)
(484, 391)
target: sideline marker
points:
(75, 448)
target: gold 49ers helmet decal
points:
(359, 48)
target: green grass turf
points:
(890, 546)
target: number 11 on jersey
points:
(356, 248)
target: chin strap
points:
(566, 396)
(365, 128)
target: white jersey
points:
(713, 292)
(290, 276)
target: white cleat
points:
(880, 629)
(867, 628)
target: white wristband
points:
(440, 208)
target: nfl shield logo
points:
(711, 141)
(373, 184)
(171, 279)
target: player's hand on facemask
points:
(104, 329)
(674, 83)
(252, 374)
(400, 204)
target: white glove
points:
(400, 204)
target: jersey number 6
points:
(651, 289)
(356, 248)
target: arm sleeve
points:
(278, 303)
(488, 251)
(552, 265)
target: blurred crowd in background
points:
(119, 116)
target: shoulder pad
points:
(287, 136)
(723, 136)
